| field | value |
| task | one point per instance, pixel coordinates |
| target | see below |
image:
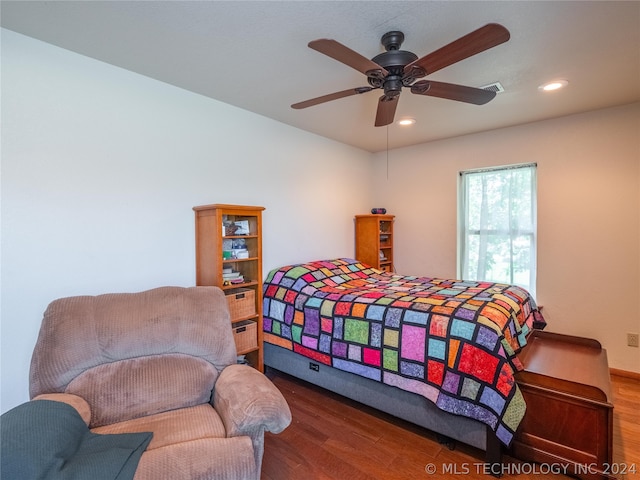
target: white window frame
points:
(463, 232)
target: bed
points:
(439, 353)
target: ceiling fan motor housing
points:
(393, 60)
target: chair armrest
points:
(247, 401)
(79, 403)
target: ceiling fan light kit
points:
(394, 69)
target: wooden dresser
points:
(569, 419)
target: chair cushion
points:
(79, 403)
(139, 387)
(203, 459)
(176, 426)
(189, 443)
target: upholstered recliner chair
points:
(161, 361)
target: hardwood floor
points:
(626, 422)
(333, 438)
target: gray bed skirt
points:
(394, 401)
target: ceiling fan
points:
(395, 68)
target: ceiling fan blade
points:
(345, 55)
(475, 42)
(331, 96)
(386, 110)
(450, 91)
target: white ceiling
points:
(254, 55)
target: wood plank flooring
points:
(333, 438)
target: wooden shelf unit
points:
(374, 234)
(211, 260)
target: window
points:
(497, 225)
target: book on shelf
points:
(231, 275)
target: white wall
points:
(101, 168)
(588, 215)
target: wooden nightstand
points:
(569, 419)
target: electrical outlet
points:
(632, 339)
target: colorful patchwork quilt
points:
(453, 342)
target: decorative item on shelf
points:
(238, 227)
(379, 211)
(231, 277)
(243, 227)
(229, 228)
(240, 253)
(241, 360)
(238, 244)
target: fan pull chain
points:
(387, 152)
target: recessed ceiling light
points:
(407, 121)
(555, 85)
